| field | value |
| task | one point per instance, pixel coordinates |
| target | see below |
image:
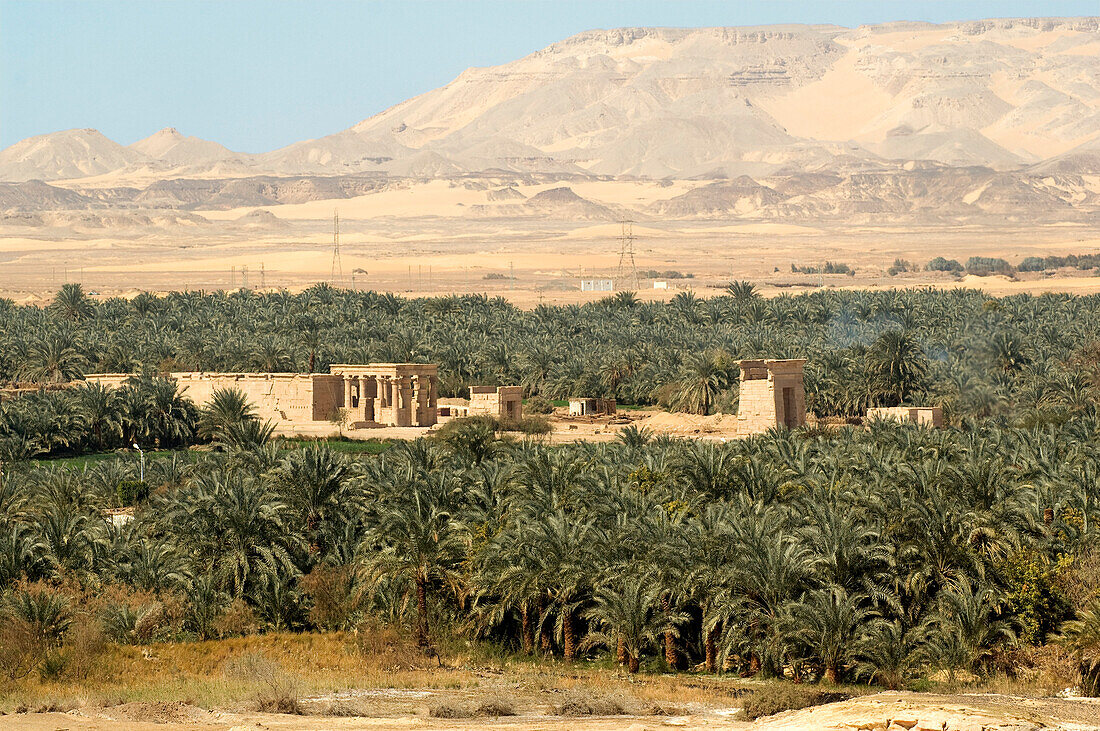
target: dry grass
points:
(374, 671)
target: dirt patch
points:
(163, 712)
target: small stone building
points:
(502, 402)
(922, 415)
(591, 406)
(772, 395)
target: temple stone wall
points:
(275, 396)
(378, 394)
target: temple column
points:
(362, 409)
(371, 390)
(347, 394)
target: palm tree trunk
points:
(421, 612)
(632, 665)
(527, 630)
(830, 674)
(621, 655)
(711, 651)
(671, 656)
(569, 636)
(545, 643)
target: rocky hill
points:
(996, 117)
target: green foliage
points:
(131, 492)
(1033, 594)
(538, 405)
(939, 264)
(984, 266)
(829, 267)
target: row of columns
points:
(407, 399)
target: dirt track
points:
(915, 712)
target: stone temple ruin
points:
(772, 395)
(372, 395)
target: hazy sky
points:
(259, 75)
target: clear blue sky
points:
(259, 75)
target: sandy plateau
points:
(421, 238)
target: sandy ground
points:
(897, 711)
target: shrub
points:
(579, 703)
(237, 619)
(781, 697)
(85, 645)
(387, 649)
(983, 266)
(939, 264)
(333, 597)
(538, 405)
(527, 425)
(277, 691)
(495, 708)
(21, 648)
(131, 492)
(446, 709)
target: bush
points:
(446, 709)
(527, 425)
(538, 405)
(983, 266)
(786, 697)
(333, 597)
(237, 619)
(387, 649)
(277, 692)
(495, 708)
(131, 492)
(579, 703)
(939, 264)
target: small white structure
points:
(591, 406)
(660, 285)
(596, 285)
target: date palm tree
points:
(416, 538)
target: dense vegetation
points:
(1023, 359)
(885, 555)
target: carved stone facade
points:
(390, 394)
(503, 402)
(772, 395)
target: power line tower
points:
(337, 266)
(628, 270)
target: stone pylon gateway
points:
(772, 395)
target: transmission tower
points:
(628, 270)
(337, 266)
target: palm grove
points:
(886, 555)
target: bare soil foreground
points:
(911, 711)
